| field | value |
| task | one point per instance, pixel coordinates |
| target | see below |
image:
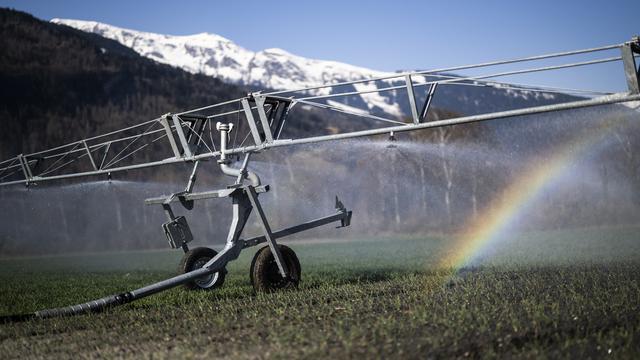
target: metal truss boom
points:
(180, 137)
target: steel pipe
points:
(605, 100)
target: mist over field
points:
(433, 182)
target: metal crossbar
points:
(469, 78)
(261, 127)
(457, 68)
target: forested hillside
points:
(60, 84)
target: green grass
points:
(555, 294)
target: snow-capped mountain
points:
(277, 69)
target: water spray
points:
(392, 140)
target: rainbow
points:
(494, 221)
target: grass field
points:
(555, 294)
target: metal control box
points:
(177, 232)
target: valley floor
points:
(564, 294)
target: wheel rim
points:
(273, 274)
(205, 281)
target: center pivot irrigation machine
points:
(255, 123)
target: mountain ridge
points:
(140, 40)
(278, 69)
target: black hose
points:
(87, 307)
(111, 300)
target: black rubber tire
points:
(264, 272)
(194, 259)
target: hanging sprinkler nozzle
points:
(392, 140)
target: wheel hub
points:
(206, 280)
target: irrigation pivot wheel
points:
(194, 259)
(265, 275)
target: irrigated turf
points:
(569, 294)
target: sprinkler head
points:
(392, 140)
(224, 127)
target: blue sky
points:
(386, 35)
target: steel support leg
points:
(253, 197)
(631, 71)
(241, 210)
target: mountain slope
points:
(62, 84)
(214, 55)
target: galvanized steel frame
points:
(264, 137)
